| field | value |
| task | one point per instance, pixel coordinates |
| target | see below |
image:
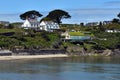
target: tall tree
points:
(101, 26)
(81, 24)
(118, 15)
(30, 15)
(115, 20)
(46, 19)
(57, 15)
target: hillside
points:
(30, 39)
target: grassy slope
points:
(39, 39)
(10, 30)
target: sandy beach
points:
(32, 56)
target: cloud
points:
(9, 17)
(14, 17)
(95, 11)
(78, 15)
(91, 15)
(112, 3)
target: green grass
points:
(10, 30)
(76, 34)
(6, 30)
(80, 34)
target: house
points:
(112, 31)
(49, 26)
(92, 24)
(76, 36)
(30, 24)
(107, 22)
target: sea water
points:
(76, 68)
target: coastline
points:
(19, 57)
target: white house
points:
(92, 24)
(30, 24)
(112, 31)
(76, 36)
(49, 26)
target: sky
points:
(80, 10)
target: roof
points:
(49, 24)
(33, 22)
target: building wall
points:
(44, 25)
(30, 24)
(26, 24)
(48, 25)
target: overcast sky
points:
(80, 10)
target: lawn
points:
(10, 30)
(80, 34)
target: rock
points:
(75, 50)
(116, 52)
(107, 52)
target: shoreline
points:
(20, 57)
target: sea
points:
(72, 68)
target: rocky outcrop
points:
(107, 52)
(38, 52)
(116, 52)
(80, 51)
(76, 50)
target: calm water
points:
(87, 68)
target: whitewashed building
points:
(112, 31)
(30, 24)
(76, 36)
(49, 26)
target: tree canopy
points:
(30, 15)
(115, 20)
(46, 19)
(118, 15)
(57, 15)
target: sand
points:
(16, 57)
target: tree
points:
(115, 20)
(101, 26)
(11, 26)
(118, 15)
(82, 24)
(57, 15)
(46, 19)
(30, 15)
(1, 26)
